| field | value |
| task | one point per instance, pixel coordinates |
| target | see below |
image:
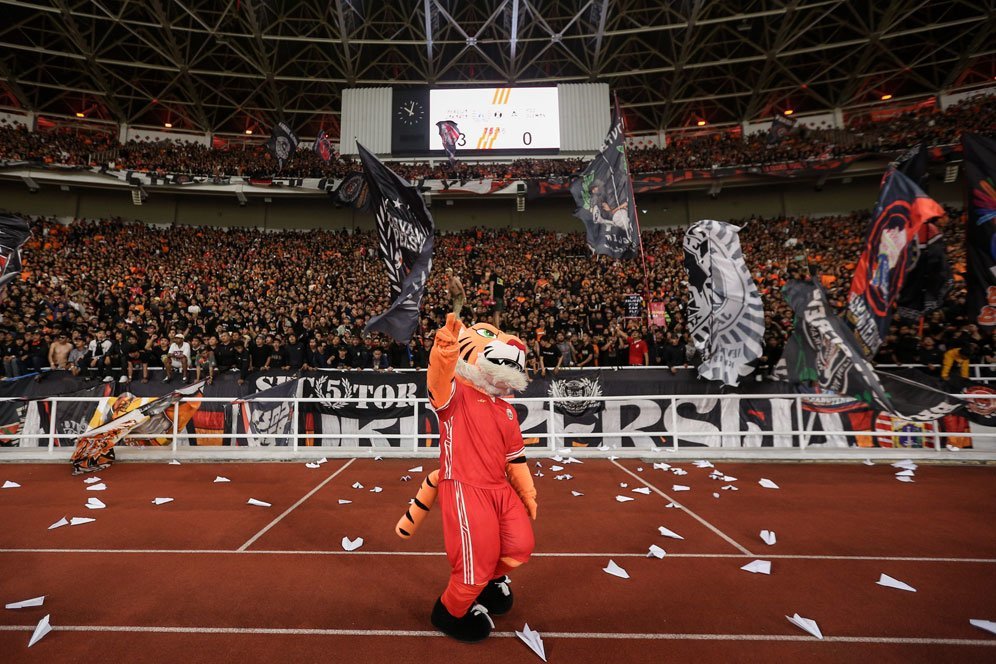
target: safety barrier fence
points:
(802, 433)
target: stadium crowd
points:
(109, 299)
(699, 149)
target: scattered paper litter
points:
(25, 603)
(889, 582)
(41, 629)
(220, 479)
(727, 478)
(377, 458)
(258, 503)
(905, 479)
(988, 625)
(95, 504)
(91, 480)
(715, 494)
(623, 485)
(656, 552)
(680, 487)
(576, 493)
(80, 520)
(768, 537)
(699, 463)
(161, 501)
(565, 476)
(343, 501)
(557, 458)
(406, 478)
(806, 624)
(174, 462)
(671, 505)
(758, 567)
(97, 487)
(679, 471)
(572, 460)
(640, 469)
(312, 465)
(59, 524)
(615, 570)
(729, 487)
(643, 489)
(556, 469)
(951, 448)
(416, 469)
(906, 464)
(357, 485)
(624, 499)
(537, 474)
(661, 466)
(324, 460)
(376, 489)
(669, 533)
(767, 484)
(868, 462)
(11, 485)
(532, 639)
(352, 545)
(905, 473)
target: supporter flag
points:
(913, 164)
(266, 422)
(929, 280)
(901, 211)
(404, 228)
(95, 448)
(824, 351)
(449, 134)
(980, 232)
(724, 307)
(282, 144)
(605, 201)
(781, 126)
(323, 147)
(219, 143)
(14, 232)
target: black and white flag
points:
(404, 229)
(282, 144)
(724, 308)
(604, 199)
(270, 423)
(824, 352)
(14, 232)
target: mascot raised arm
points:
(483, 485)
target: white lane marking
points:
(634, 636)
(294, 506)
(692, 514)
(567, 554)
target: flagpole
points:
(636, 216)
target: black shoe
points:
(497, 596)
(475, 626)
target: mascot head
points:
(491, 361)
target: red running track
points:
(210, 578)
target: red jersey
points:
(478, 436)
(637, 349)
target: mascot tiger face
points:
(491, 361)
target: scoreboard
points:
(490, 120)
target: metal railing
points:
(544, 424)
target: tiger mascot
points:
(483, 485)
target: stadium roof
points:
(229, 65)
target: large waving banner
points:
(980, 229)
(724, 307)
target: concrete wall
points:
(656, 210)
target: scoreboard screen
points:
(490, 120)
(498, 119)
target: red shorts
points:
(480, 526)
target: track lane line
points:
(630, 636)
(544, 554)
(293, 507)
(692, 514)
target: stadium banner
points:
(980, 229)
(781, 126)
(14, 232)
(655, 408)
(282, 144)
(724, 308)
(888, 256)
